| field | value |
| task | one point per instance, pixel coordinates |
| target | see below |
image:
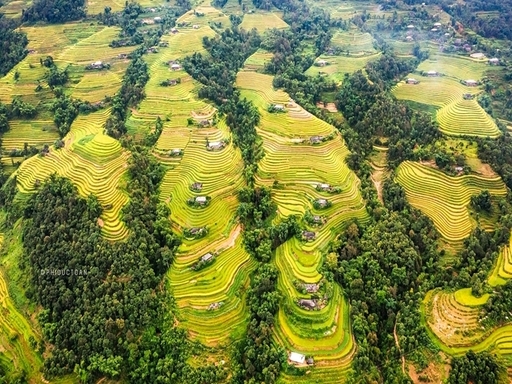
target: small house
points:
(322, 202)
(457, 42)
(410, 26)
(447, 34)
(197, 186)
(172, 82)
(296, 358)
(215, 145)
(409, 38)
(459, 169)
(279, 107)
(477, 55)
(175, 67)
(412, 81)
(206, 257)
(432, 73)
(157, 19)
(307, 304)
(175, 152)
(316, 139)
(437, 25)
(196, 230)
(321, 63)
(97, 65)
(204, 123)
(201, 200)
(310, 361)
(467, 96)
(470, 83)
(195, 26)
(152, 50)
(434, 30)
(308, 235)
(174, 30)
(494, 61)
(311, 288)
(122, 56)
(317, 219)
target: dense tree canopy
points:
(55, 11)
(12, 45)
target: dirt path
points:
(398, 344)
(378, 187)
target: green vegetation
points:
(267, 191)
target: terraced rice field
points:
(263, 21)
(338, 66)
(95, 7)
(456, 67)
(258, 60)
(356, 42)
(76, 45)
(444, 198)
(93, 161)
(456, 116)
(456, 329)
(455, 324)
(297, 168)
(220, 172)
(15, 331)
(503, 269)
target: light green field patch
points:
(356, 42)
(263, 21)
(465, 297)
(338, 66)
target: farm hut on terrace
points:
(206, 257)
(432, 73)
(471, 83)
(307, 304)
(494, 61)
(412, 81)
(321, 63)
(296, 358)
(175, 67)
(201, 200)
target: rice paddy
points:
(337, 66)
(211, 301)
(296, 167)
(455, 114)
(262, 21)
(93, 161)
(445, 198)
